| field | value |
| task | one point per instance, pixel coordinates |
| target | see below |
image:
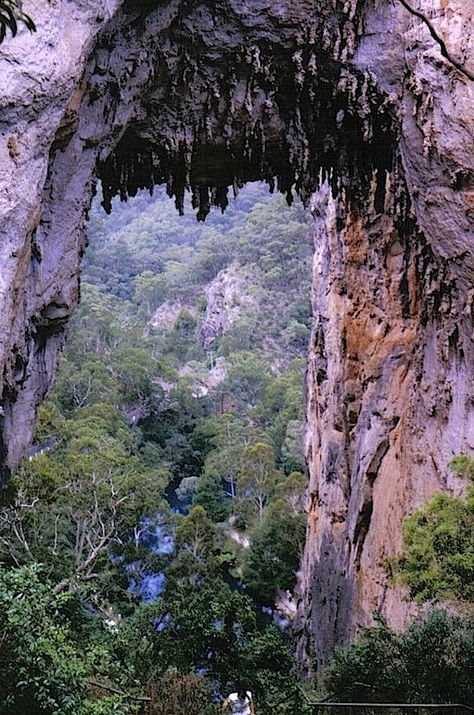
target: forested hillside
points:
(160, 512)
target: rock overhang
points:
(237, 92)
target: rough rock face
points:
(45, 185)
(166, 314)
(390, 388)
(352, 102)
(226, 296)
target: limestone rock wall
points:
(227, 297)
(390, 385)
(42, 207)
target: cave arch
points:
(202, 97)
(350, 102)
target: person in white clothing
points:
(239, 703)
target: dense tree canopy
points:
(157, 460)
(438, 556)
(431, 661)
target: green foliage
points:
(431, 661)
(463, 465)
(247, 377)
(74, 507)
(142, 416)
(438, 545)
(229, 441)
(292, 491)
(201, 623)
(210, 495)
(150, 291)
(281, 411)
(267, 665)
(259, 478)
(195, 535)
(274, 555)
(296, 334)
(202, 628)
(44, 667)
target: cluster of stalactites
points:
(291, 116)
(136, 165)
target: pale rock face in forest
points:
(226, 297)
(166, 314)
(354, 103)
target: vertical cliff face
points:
(390, 392)
(42, 204)
(353, 103)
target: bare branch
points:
(27, 506)
(17, 527)
(56, 536)
(61, 586)
(438, 39)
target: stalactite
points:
(327, 119)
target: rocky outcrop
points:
(202, 380)
(390, 391)
(166, 314)
(226, 297)
(351, 102)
